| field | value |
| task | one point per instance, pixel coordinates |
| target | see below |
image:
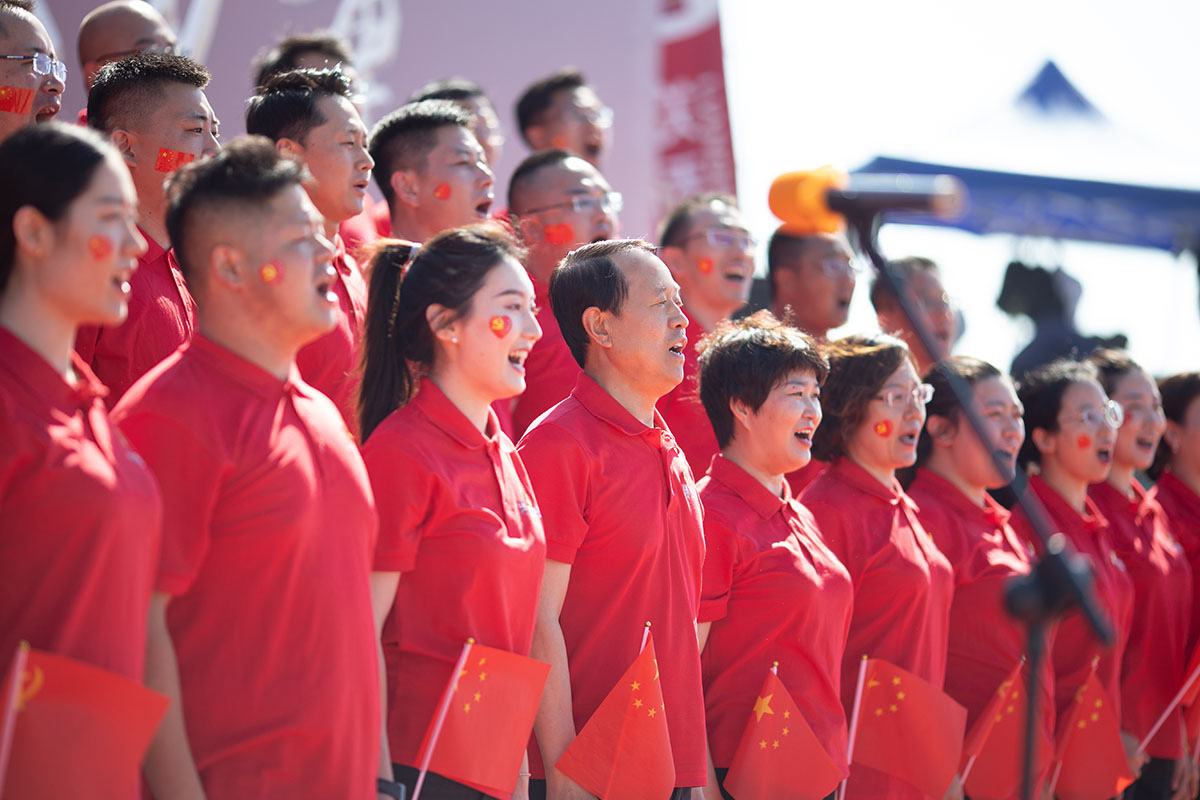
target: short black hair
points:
(585, 278)
(403, 139)
(286, 107)
(538, 98)
(678, 224)
(1112, 365)
(46, 167)
(24, 5)
(882, 296)
(945, 403)
(526, 171)
(455, 89)
(1041, 392)
(239, 181)
(783, 249)
(285, 56)
(745, 359)
(125, 91)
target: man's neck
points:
(540, 268)
(330, 229)
(405, 226)
(153, 222)
(231, 329)
(618, 386)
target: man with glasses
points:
(710, 253)
(431, 169)
(562, 111)
(120, 29)
(557, 202)
(813, 276)
(926, 292)
(31, 78)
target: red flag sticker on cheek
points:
(442, 191)
(559, 142)
(16, 101)
(884, 428)
(271, 272)
(100, 247)
(1084, 441)
(559, 233)
(705, 265)
(500, 326)
(171, 160)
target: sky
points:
(839, 83)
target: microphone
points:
(816, 201)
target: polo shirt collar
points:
(339, 255)
(764, 502)
(605, 407)
(1060, 509)
(431, 401)
(45, 382)
(995, 514)
(154, 250)
(864, 481)
(243, 371)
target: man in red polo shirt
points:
(431, 169)
(710, 253)
(152, 107)
(557, 202)
(308, 114)
(260, 628)
(563, 111)
(624, 538)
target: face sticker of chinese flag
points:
(171, 160)
(16, 101)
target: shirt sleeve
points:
(406, 493)
(560, 470)
(720, 558)
(189, 474)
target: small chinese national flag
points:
(1093, 764)
(908, 728)
(488, 721)
(996, 742)
(779, 755)
(624, 750)
(74, 729)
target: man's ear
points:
(595, 325)
(124, 141)
(531, 229)
(673, 257)
(227, 264)
(941, 430)
(289, 148)
(538, 137)
(406, 186)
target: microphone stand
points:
(1060, 580)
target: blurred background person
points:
(813, 277)
(468, 94)
(119, 29)
(563, 111)
(926, 292)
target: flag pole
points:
(1196, 751)
(441, 718)
(645, 636)
(862, 674)
(775, 668)
(967, 769)
(1175, 701)
(12, 697)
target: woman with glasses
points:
(874, 405)
(955, 470)
(1071, 429)
(31, 78)
(1156, 651)
(79, 511)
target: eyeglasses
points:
(168, 48)
(727, 239)
(835, 267)
(609, 203)
(1111, 415)
(1144, 411)
(43, 65)
(941, 302)
(919, 396)
(601, 116)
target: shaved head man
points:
(31, 76)
(118, 29)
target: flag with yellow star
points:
(778, 754)
(1092, 759)
(61, 718)
(493, 701)
(15, 100)
(908, 728)
(994, 747)
(624, 750)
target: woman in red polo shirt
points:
(1156, 654)
(772, 590)
(79, 512)
(955, 469)
(1176, 472)
(458, 520)
(874, 405)
(1071, 426)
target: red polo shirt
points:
(1152, 671)
(1074, 643)
(902, 588)
(684, 412)
(458, 518)
(80, 518)
(1182, 507)
(267, 544)
(985, 552)
(621, 508)
(361, 229)
(162, 316)
(773, 592)
(329, 364)
(799, 480)
(550, 369)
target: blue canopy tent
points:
(1061, 207)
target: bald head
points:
(118, 29)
